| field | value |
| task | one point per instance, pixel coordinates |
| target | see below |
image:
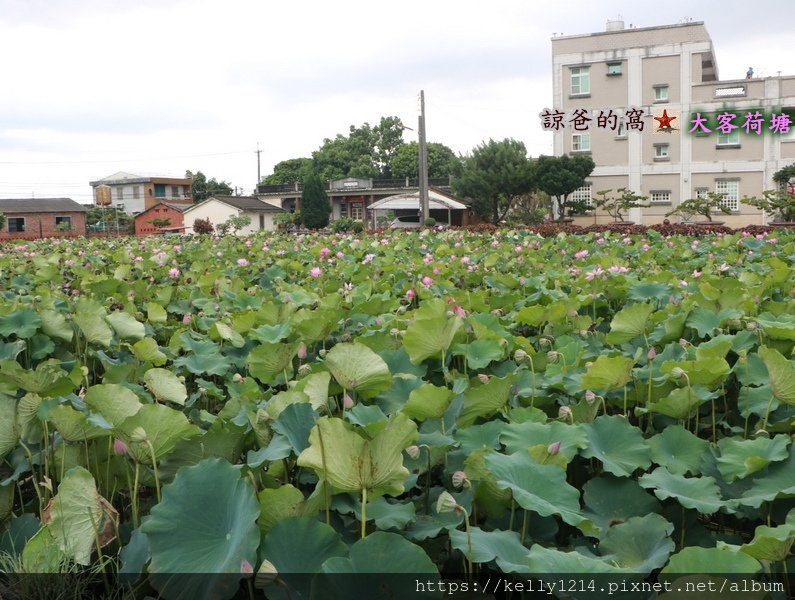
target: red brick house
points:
(33, 218)
(161, 210)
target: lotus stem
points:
(364, 512)
(469, 543)
(533, 379)
(326, 499)
(154, 466)
(524, 525)
(135, 496)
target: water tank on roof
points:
(615, 25)
(103, 196)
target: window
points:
(262, 221)
(136, 191)
(175, 191)
(119, 193)
(621, 132)
(614, 68)
(16, 225)
(661, 93)
(702, 193)
(343, 210)
(660, 197)
(581, 142)
(63, 223)
(729, 139)
(730, 190)
(356, 211)
(582, 194)
(661, 152)
(580, 81)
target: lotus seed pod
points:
(413, 452)
(484, 379)
(564, 412)
(138, 435)
(590, 397)
(520, 355)
(460, 480)
(266, 575)
(446, 503)
(678, 373)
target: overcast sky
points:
(156, 87)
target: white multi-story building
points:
(644, 75)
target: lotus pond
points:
(450, 403)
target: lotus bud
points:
(246, 568)
(119, 447)
(237, 378)
(588, 364)
(322, 353)
(138, 435)
(347, 402)
(553, 356)
(484, 379)
(266, 575)
(751, 326)
(520, 355)
(590, 397)
(413, 452)
(84, 371)
(446, 503)
(678, 373)
(460, 480)
(564, 412)
(553, 448)
(304, 370)
(652, 353)
(394, 331)
(683, 342)
(302, 351)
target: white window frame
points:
(729, 139)
(614, 68)
(581, 76)
(662, 152)
(582, 194)
(730, 190)
(581, 142)
(660, 197)
(661, 93)
(702, 193)
(621, 130)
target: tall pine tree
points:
(315, 207)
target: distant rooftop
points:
(125, 177)
(39, 205)
(247, 203)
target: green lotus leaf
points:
(782, 374)
(608, 373)
(483, 436)
(282, 400)
(21, 323)
(740, 458)
(706, 322)
(610, 500)
(42, 554)
(267, 361)
(431, 331)
(6, 501)
(315, 386)
(47, 379)
(203, 357)
(641, 543)
(649, 290)
(278, 504)
(74, 425)
(520, 436)
(125, 326)
(55, 325)
(681, 402)
(490, 497)
(616, 443)
(678, 450)
(356, 367)
(485, 400)
(301, 545)
(381, 552)
(9, 428)
(770, 543)
(156, 314)
(165, 386)
(503, 547)
(163, 426)
(294, 423)
(709, 371)
(206, 523)
(147, 350)
(781, 327)
(548, 560)
(669, 330)
(756, 400)
(18, 531)
(694, 559)
(779, 478)
(480, 353)
(114, 402)
(351, 463)
(630, 322)
(428, 401)
(699, 493)
(390, 515)
(78, 517)
(226, 333)
(134, 557)
(541, 488)
(90, 318)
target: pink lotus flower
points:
(315, 271)
(242, 262)
(464, 259)
(173, 273)
(186, 319)
(426, 281)
(324, 252)
(302, 351)
(553, 448)
(347, 402)
(119, 447)
(410, 294)
(581, 254)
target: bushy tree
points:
(701, 206)
(559, 176)
(203, 226)
(292, 170)
(616, 206)
(315, 207)
(442, 161)
(494, 176)
(202, 188)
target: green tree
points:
(442, 161)
(292, 170)
(494, 176)
(616, 206)
(315, 207)
(559, 176)
(202, 188)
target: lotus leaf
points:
(114, 402)
(356, 367)
(165, 386)
(782, 374)
(431, 331)
(503, 547)
(616, 443)
(630, 322)
(740, 458)
(699, 493)
(428, 401)
(125, 326)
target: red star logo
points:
(665, 120)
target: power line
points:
(119, 160)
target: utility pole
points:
(259, 177)
(423, 157)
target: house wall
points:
(143, 222)
(215, 211)
(39, 225)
